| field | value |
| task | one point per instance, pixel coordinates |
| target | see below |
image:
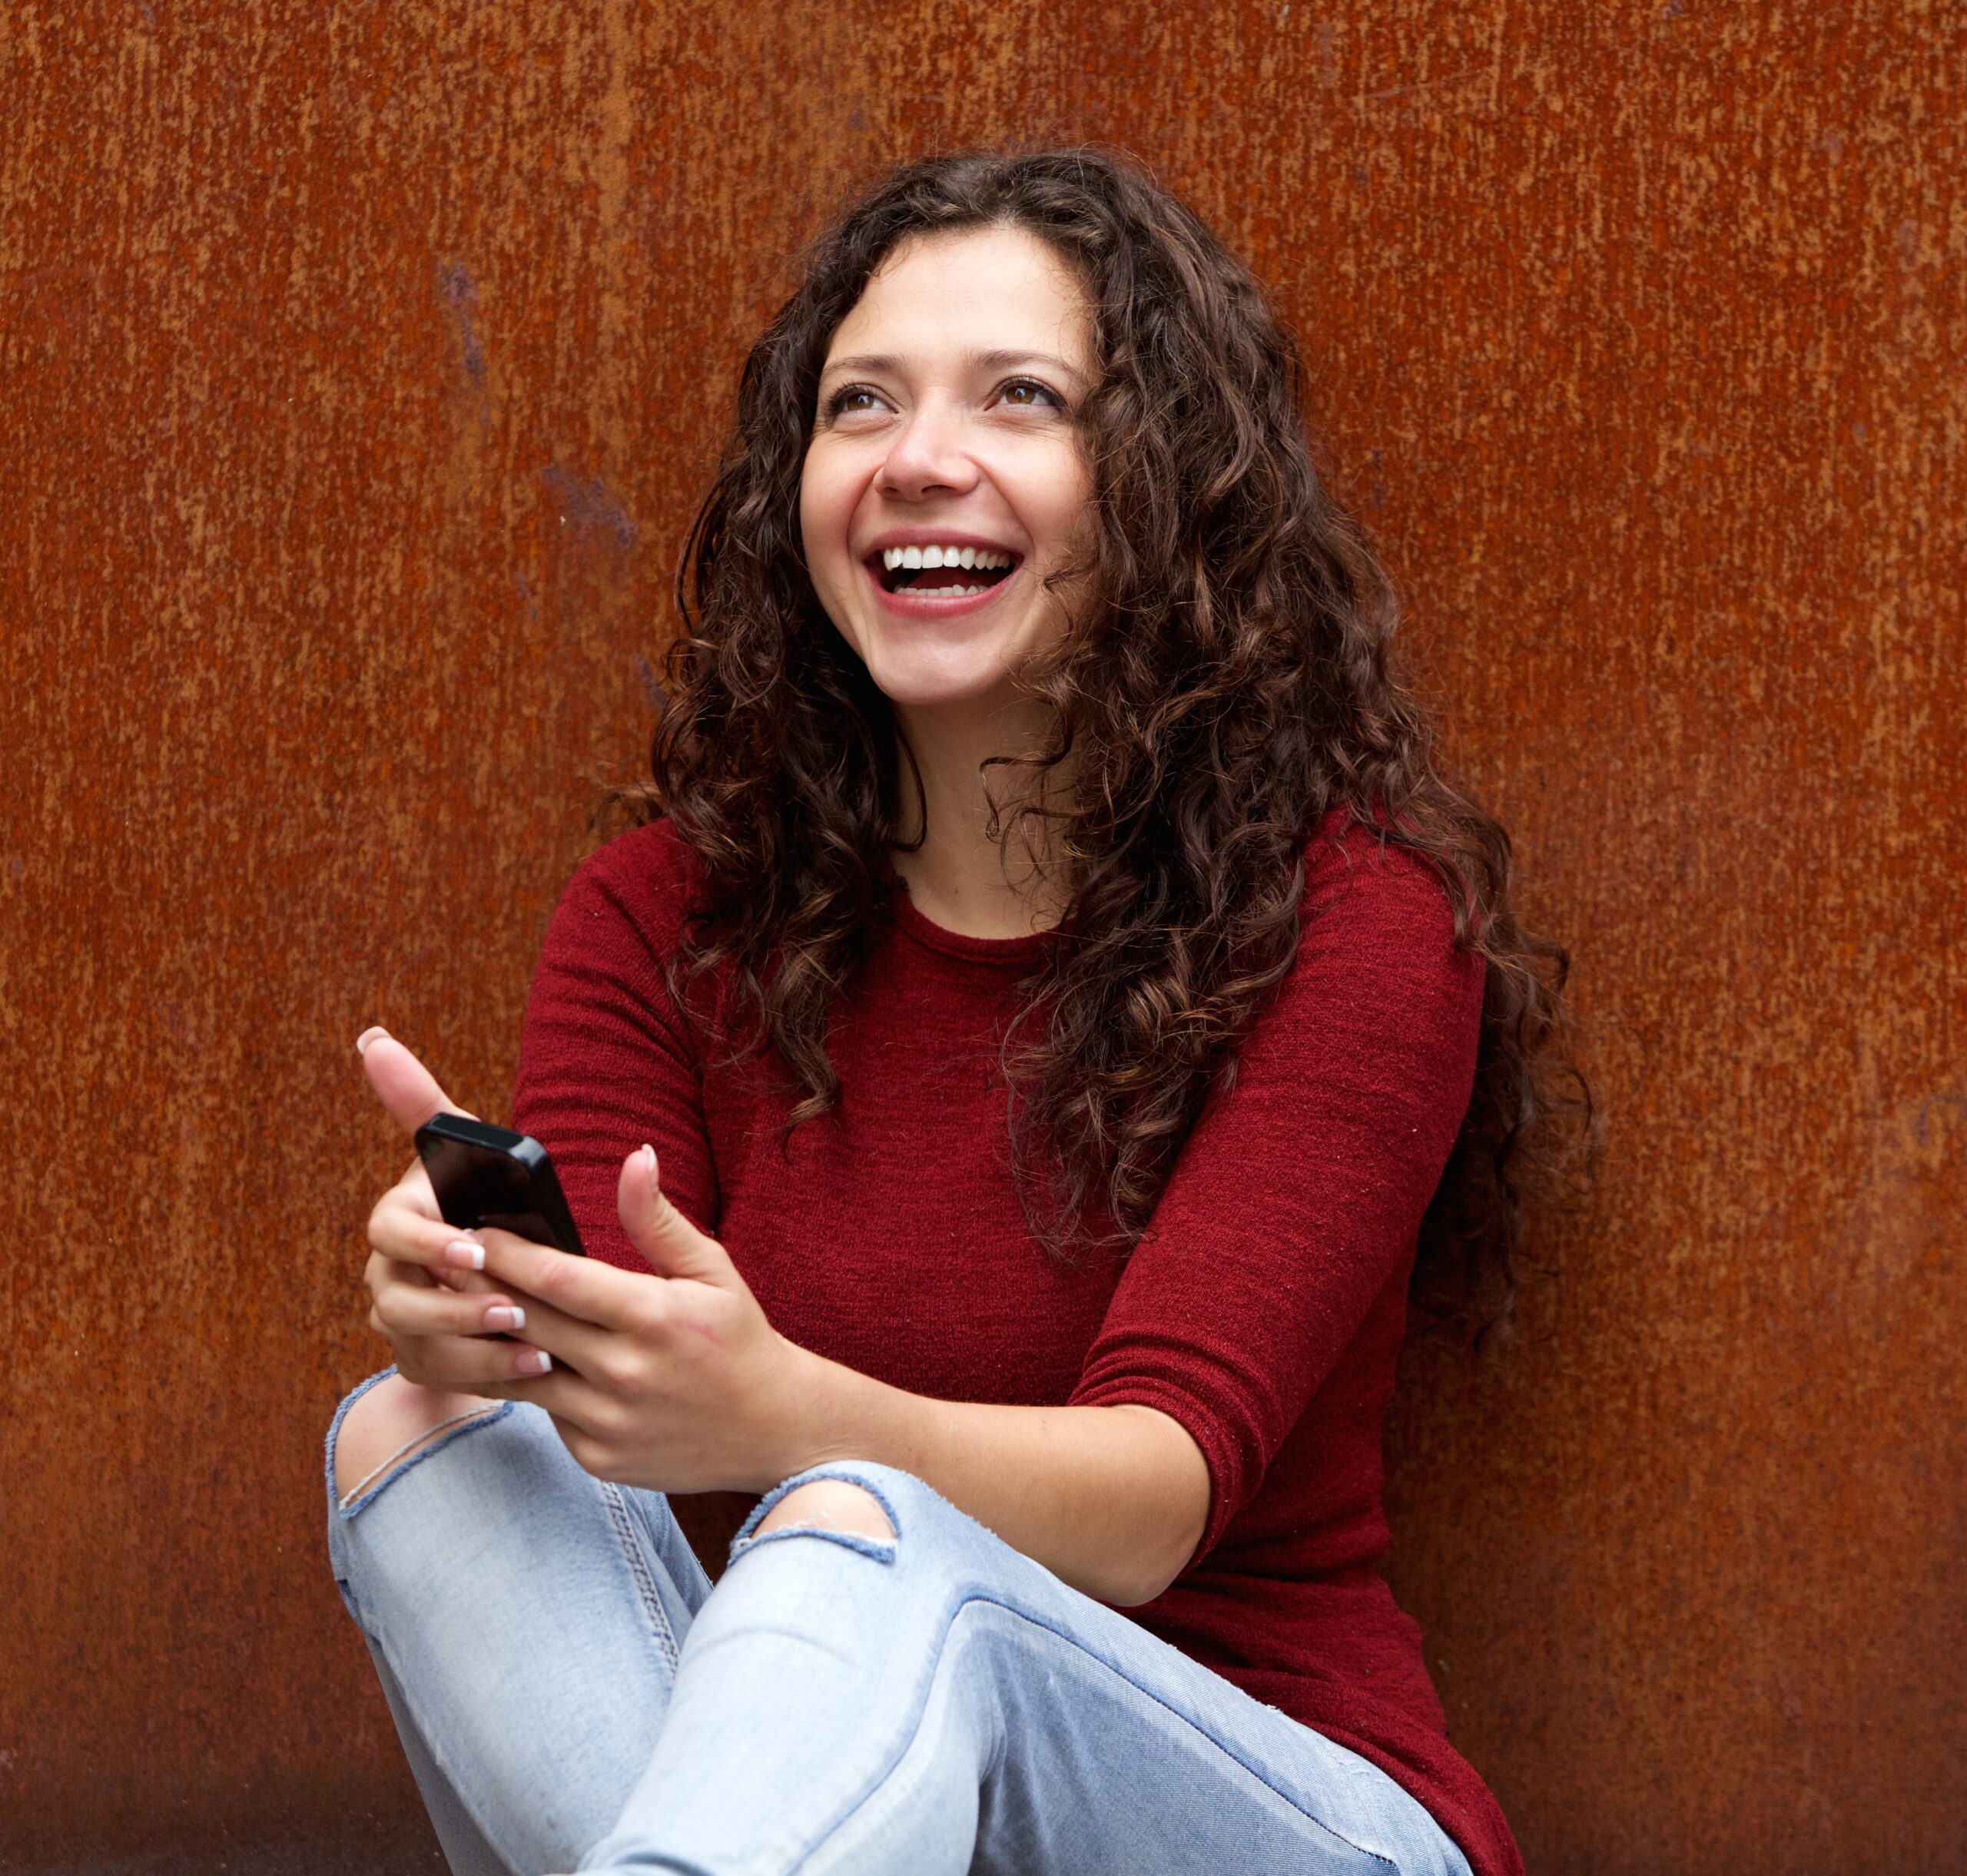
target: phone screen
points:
(489, 1176)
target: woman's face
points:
(944, 480)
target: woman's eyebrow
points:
(878, 364)
(1005, 361)
(866, 361)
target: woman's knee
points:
(388, 1423)
(856, 1504)
(830, 1504)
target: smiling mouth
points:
(942, 572)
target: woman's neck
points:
(958, 877)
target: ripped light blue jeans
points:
(572, 1693)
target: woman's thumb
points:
(402, 1083)
(673, 1245)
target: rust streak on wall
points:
(360, 363)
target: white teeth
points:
(926, 557)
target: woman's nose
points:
(929, 456)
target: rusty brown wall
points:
(359, 362)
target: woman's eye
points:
(1028, 392)
(852, 398)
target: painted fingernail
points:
(535, 1361)
(505, 1317)
(367, 1036)
(462, 1253)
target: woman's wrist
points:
(836, 1413)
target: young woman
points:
(1003, 1079)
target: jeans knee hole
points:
(835, 1506)
(426, 1442)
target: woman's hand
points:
(436, 1319)
(673, 1380)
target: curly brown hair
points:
(1227, 678)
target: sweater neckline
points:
(925, 931)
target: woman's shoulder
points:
(1377, 947)
(641, 886)
(1355, 872)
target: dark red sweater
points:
(1263, 1310)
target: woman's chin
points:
(933, 688)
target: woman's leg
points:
(932, 1702)
(525, 1619)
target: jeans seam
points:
(638, 1570)
(1072, 1642)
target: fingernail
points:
(647, 1158)
(535, 1361)
(463, 1254)
(506, 1316)
(367, 1036)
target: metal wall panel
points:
(360, 362)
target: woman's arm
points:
(673, 1379)
(1111, 1499)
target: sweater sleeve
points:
(607, 1059)
(1300, 1192)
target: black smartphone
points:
(486, 1175)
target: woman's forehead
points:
(971, 293)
